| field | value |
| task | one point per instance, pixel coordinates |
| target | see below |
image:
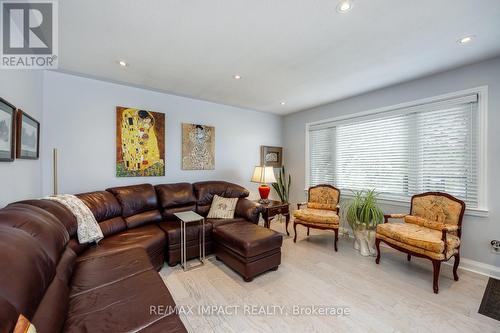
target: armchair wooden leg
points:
(307, 231)
(437, 267)
(455, 266)
(295, 231)
(377, 244)
(408, 257)
(336, 239)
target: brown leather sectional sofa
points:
(63, 286)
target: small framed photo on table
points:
(28, 136)
(7, 131)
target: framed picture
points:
(271, 156)
(198, 147)
(28, 137)
(7, 130)
(140, 143)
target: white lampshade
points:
(263, 175)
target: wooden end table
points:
(274, 208)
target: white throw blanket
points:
(88, 229)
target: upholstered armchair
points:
(320, 211)
(432, 230)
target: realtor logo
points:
(29, 34)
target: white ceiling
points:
(300, 51)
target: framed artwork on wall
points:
(28, 137)
(271, 156)
(198, 147)
(140, 143)
(7, 130)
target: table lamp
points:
(263, 175)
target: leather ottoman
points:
(247, 248)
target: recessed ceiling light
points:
(122, 63)
(344, 6)
(283, 103)
(466, 39)
(236, 77)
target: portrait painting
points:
(198, 147)
(140, 143)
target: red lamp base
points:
(264, 192)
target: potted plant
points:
(282, 185)
(363, 215)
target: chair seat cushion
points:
(417, 236)
(321, 216)
(433, 255)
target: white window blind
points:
(430, 147)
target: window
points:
(432, 146)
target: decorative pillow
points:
(23, 325)
(222, 208)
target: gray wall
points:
(79, 119)
(477, 231)
(21, 178)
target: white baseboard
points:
(477, 267)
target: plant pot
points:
(364, 240)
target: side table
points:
(274, 208)
(189, 218)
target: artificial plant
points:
(282, 185)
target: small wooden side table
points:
(274, 208)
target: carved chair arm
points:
(443, 238)
(301, 204)
(393, 216)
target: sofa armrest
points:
(249, 210)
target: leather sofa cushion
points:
(107, 211)
(103, 204)
(40, 224)
(152, 216)
(205, 191)
(26, 270)
(8, 316)
(174, 195)
(121, 306)
(247, 239)
(149, 237)
(96, 271)
(168, 213)
(51, 312)
(218, 222)
(58, 210)
(135, 199)
(172, 230)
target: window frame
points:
(482, 148)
